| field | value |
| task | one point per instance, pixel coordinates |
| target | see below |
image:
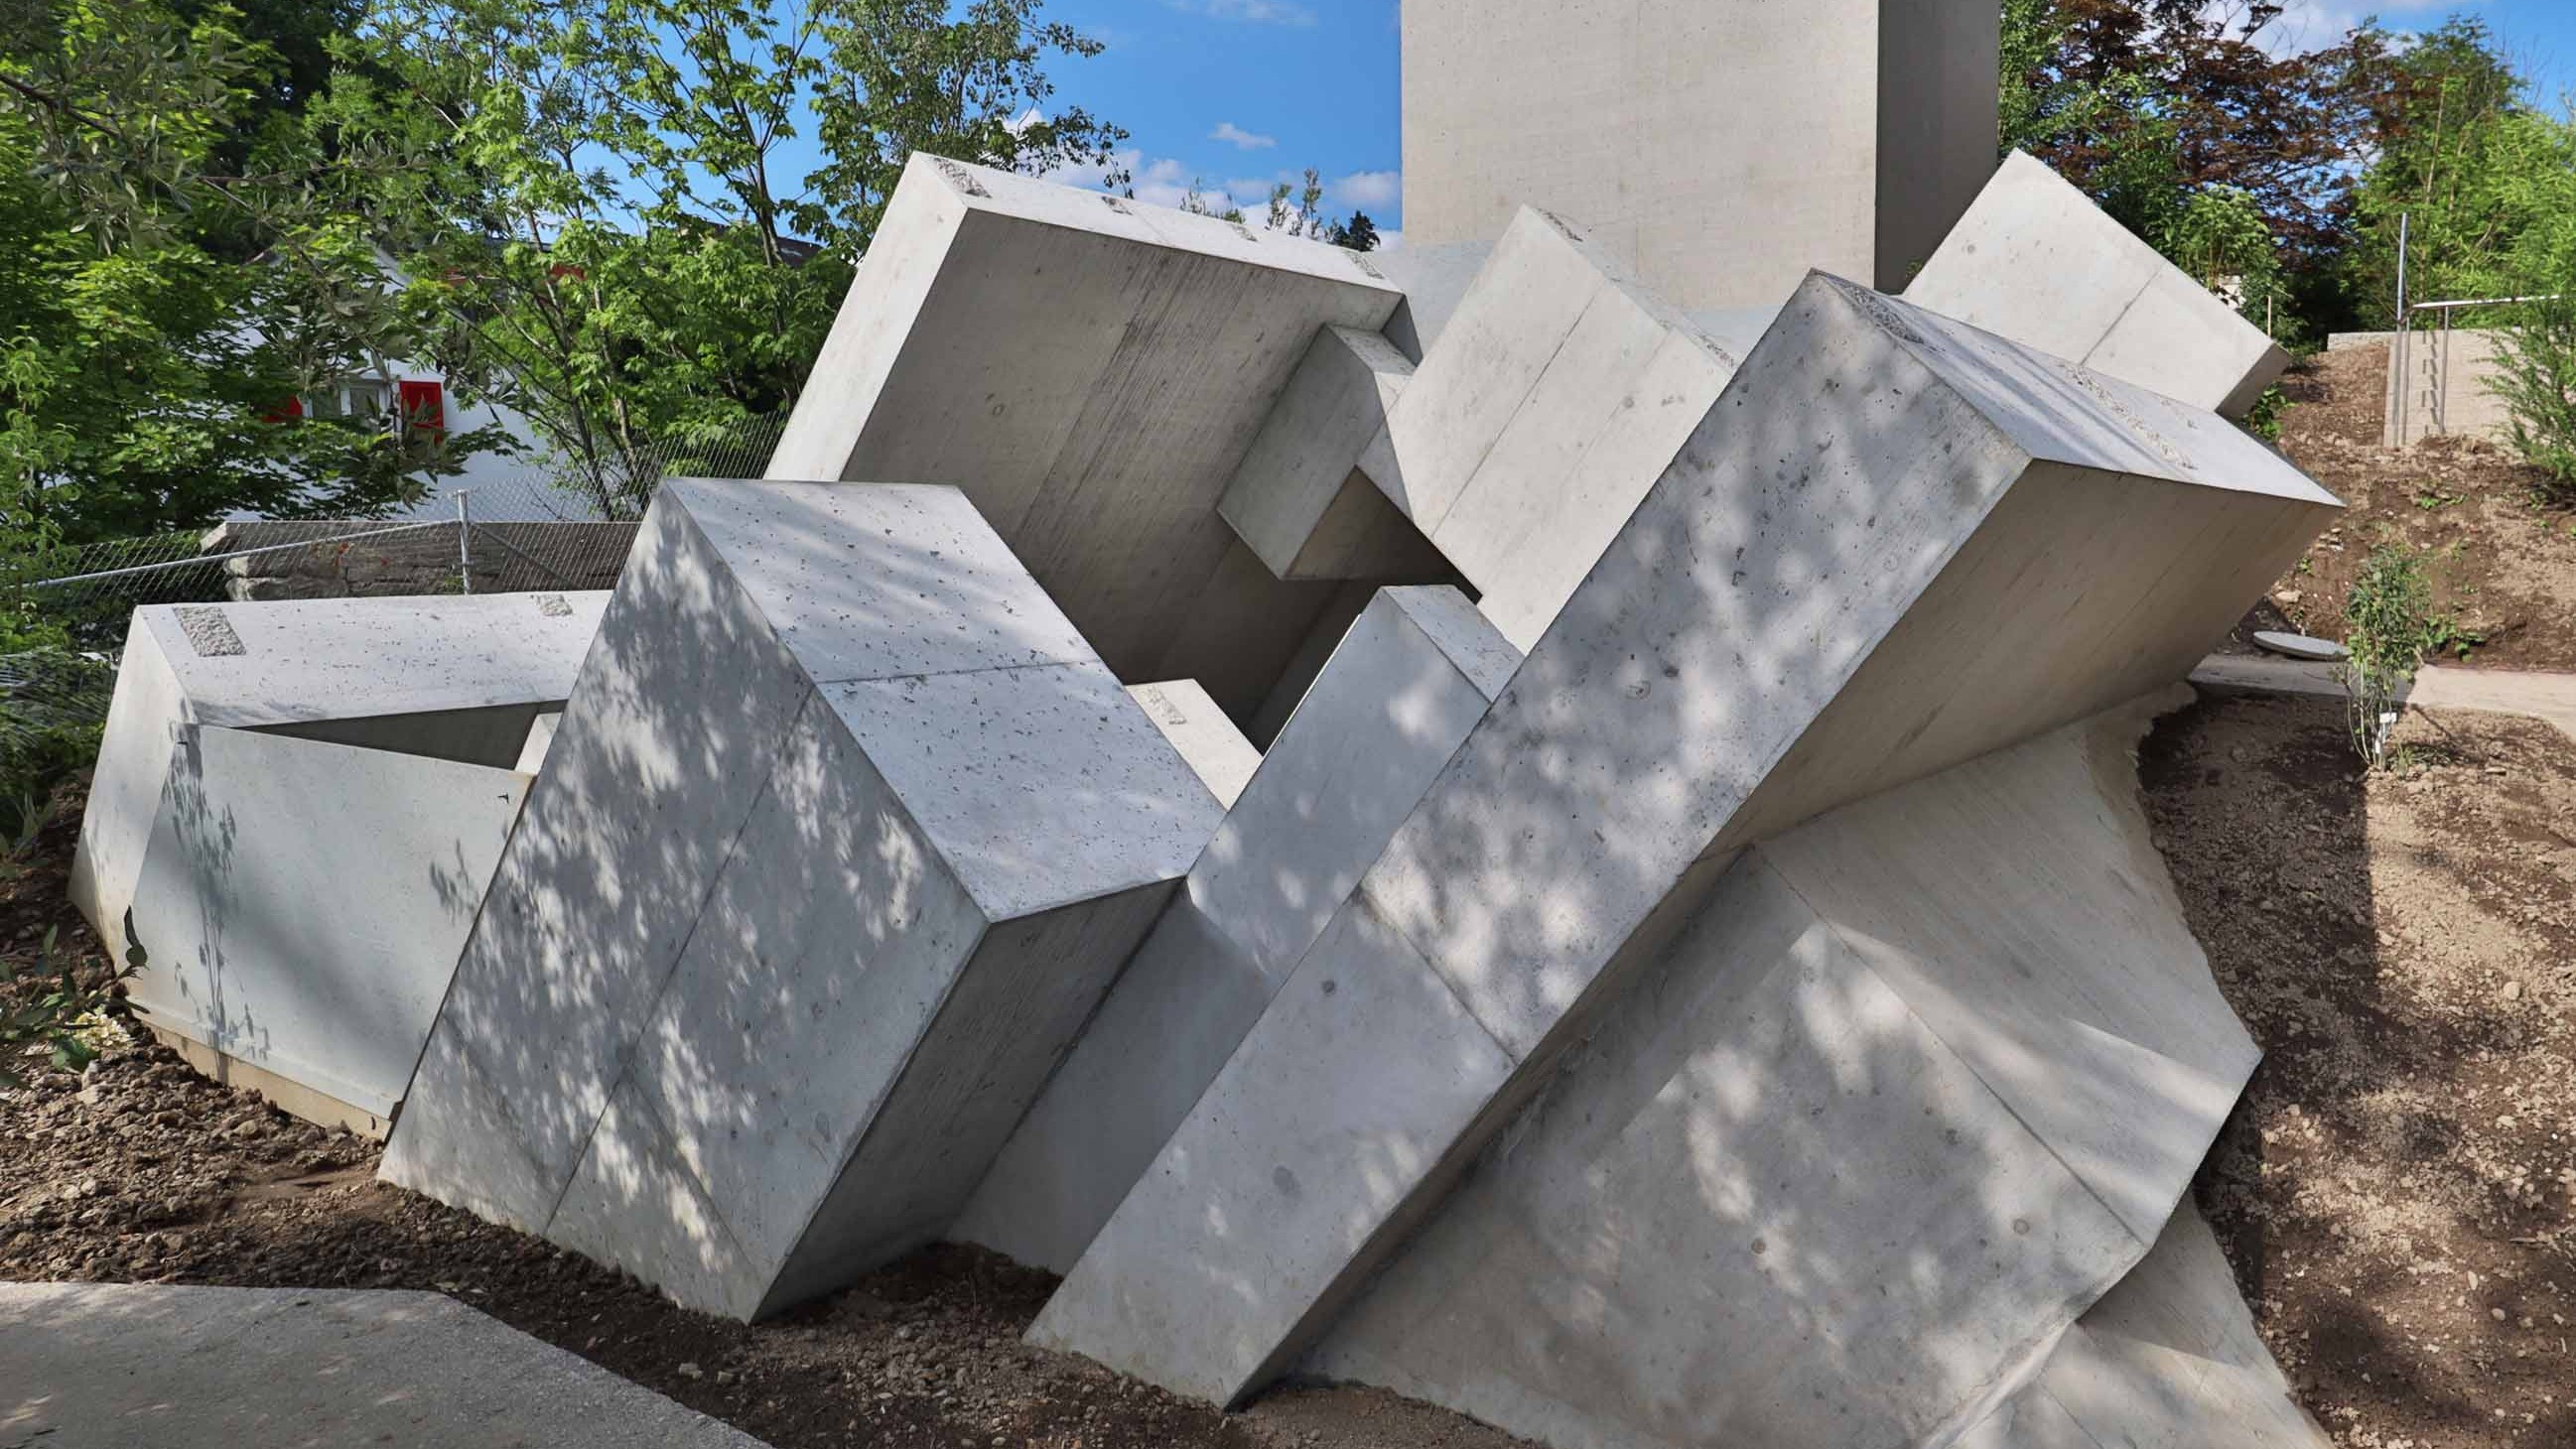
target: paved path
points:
(127, 1366)
(2548, 697)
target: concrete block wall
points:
(515, 557)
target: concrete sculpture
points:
(843, 834)
(319, 999)
(1517, 821)
(2035, 260)
(1894, 544)
(452, 679)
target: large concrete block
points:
(1919, 1081)
(447, 678)
(1091, 371)
(301, 905)
(1297, 501)
(1411, 679)
(1717, 148)
(2036, 261)
(843, 834)
(1894, 544)
(1559, 394)
(2169, 1359)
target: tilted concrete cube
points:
(1559, 392)
(1894, 544)
(2169, 1359)
(1091, 371)
(2036, 261)
(1717, 148)
(301, 904)
(843, 834)
(1209, 743)
(1297, 499)
(1912, 1087)
(447, 678)
(1397, 698)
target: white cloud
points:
(1257, 12)
(2307, 25)
(1364, 189)
(1156, 181)
(1234, 135)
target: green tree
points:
(612, 249)
(162, 306)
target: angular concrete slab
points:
(1297, 501)
(2036, 261)
(1208, 741)
(152, 1366)
(1559, 394)
(1412, 678)
(301, 905)
(842, 836)
(1842, 134)
(2169, 1359)
(449, 678)
(1091, 371)
(1895, 544)
(1919, 1080)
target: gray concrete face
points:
(437, 677)
(1091, 371)
(1841, 134)
(1559, 394)
(1296, 500)
(2036, 261)
(1208, 741)
(1413, 677)
(1895, 544)
(843, 834)
(301, 905)
(154, 1366)
(2169, 1359)
(1918, 1083)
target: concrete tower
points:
(1717, 148)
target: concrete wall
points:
(301, 905)
(841, 836)
(1717, 148)
(508, 558)
(2439, 386)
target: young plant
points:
(59, 1022)
(2388, 626)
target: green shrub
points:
(2388, 625)
(2535, 379)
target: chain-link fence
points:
(497, 529)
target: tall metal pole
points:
(2400, 380)
(465, 539)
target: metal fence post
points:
(465, 539)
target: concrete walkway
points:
(2547, 697)
(126, 1366)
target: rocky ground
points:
(2397, 1190)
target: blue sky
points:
(1234, 94)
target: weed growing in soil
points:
(62, 1024)
(2388, 627)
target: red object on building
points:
(285, 412)
(424, 406)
